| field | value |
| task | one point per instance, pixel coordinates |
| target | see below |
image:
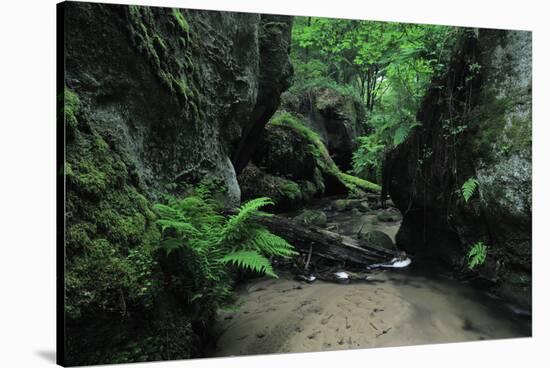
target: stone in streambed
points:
(388, 216)
(312, 217)
(378, 238)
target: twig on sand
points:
(373, 326)
(383, 332)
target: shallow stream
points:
(393, 308)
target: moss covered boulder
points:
(378, 238)
(333, 112)
(312, 217)
(286, 193)
(290, 152)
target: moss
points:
(89, 179)
(67, 169)
(111, 234)
(159, 43)
(318, 149)
(313, 217)
(340, 205)
(71, 108)
(308, 189)
(111, 239)
(176, 13)
(500, 129)
(186, 93)
(173, 64)
(359, 183)
(289, 189)
(518, 135)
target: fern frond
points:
(400, 135)
(167, 212)
(477, 255)
(468, 188)
(183, 228)
(250, 260)
(171, 244)
(271, 244)
(251, 208)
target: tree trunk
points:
(325, 243)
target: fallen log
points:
(326, 244)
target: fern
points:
(171, 244)
(402, 132)
(206, 244)
(180, 226)
(400, 135)
(250, 260)
(468, 188)
(236, 226)
(271, 244)
(477, 255)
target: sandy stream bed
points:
(284, 315)
(401, 307)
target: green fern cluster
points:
(477, 255)
(469, 188)
(209, 244)
(387, 133)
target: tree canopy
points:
(387, 65)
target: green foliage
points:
(368, 155)
(289, 189)
(367, 54)
(312, 217)
(176, 13)
(468, 188)
(250, 260)
(207, 243)
(177, 73)
(71, 108)
(387, 67)
(110, 233)
(477, 255)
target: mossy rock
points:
(335, 181)
(287, 194)
(312, 217)
(378, 238)
(341, 205)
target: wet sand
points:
(277, 316)
(400, 307)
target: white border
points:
(27, 181)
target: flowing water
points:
(392, 308)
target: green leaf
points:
(171, 244)
(468, 188)
(477, 255)
(400, 135)
(250, 260)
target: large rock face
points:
(275, 77)
(476, 123)
(154, 98)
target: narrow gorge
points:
(369, 144)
